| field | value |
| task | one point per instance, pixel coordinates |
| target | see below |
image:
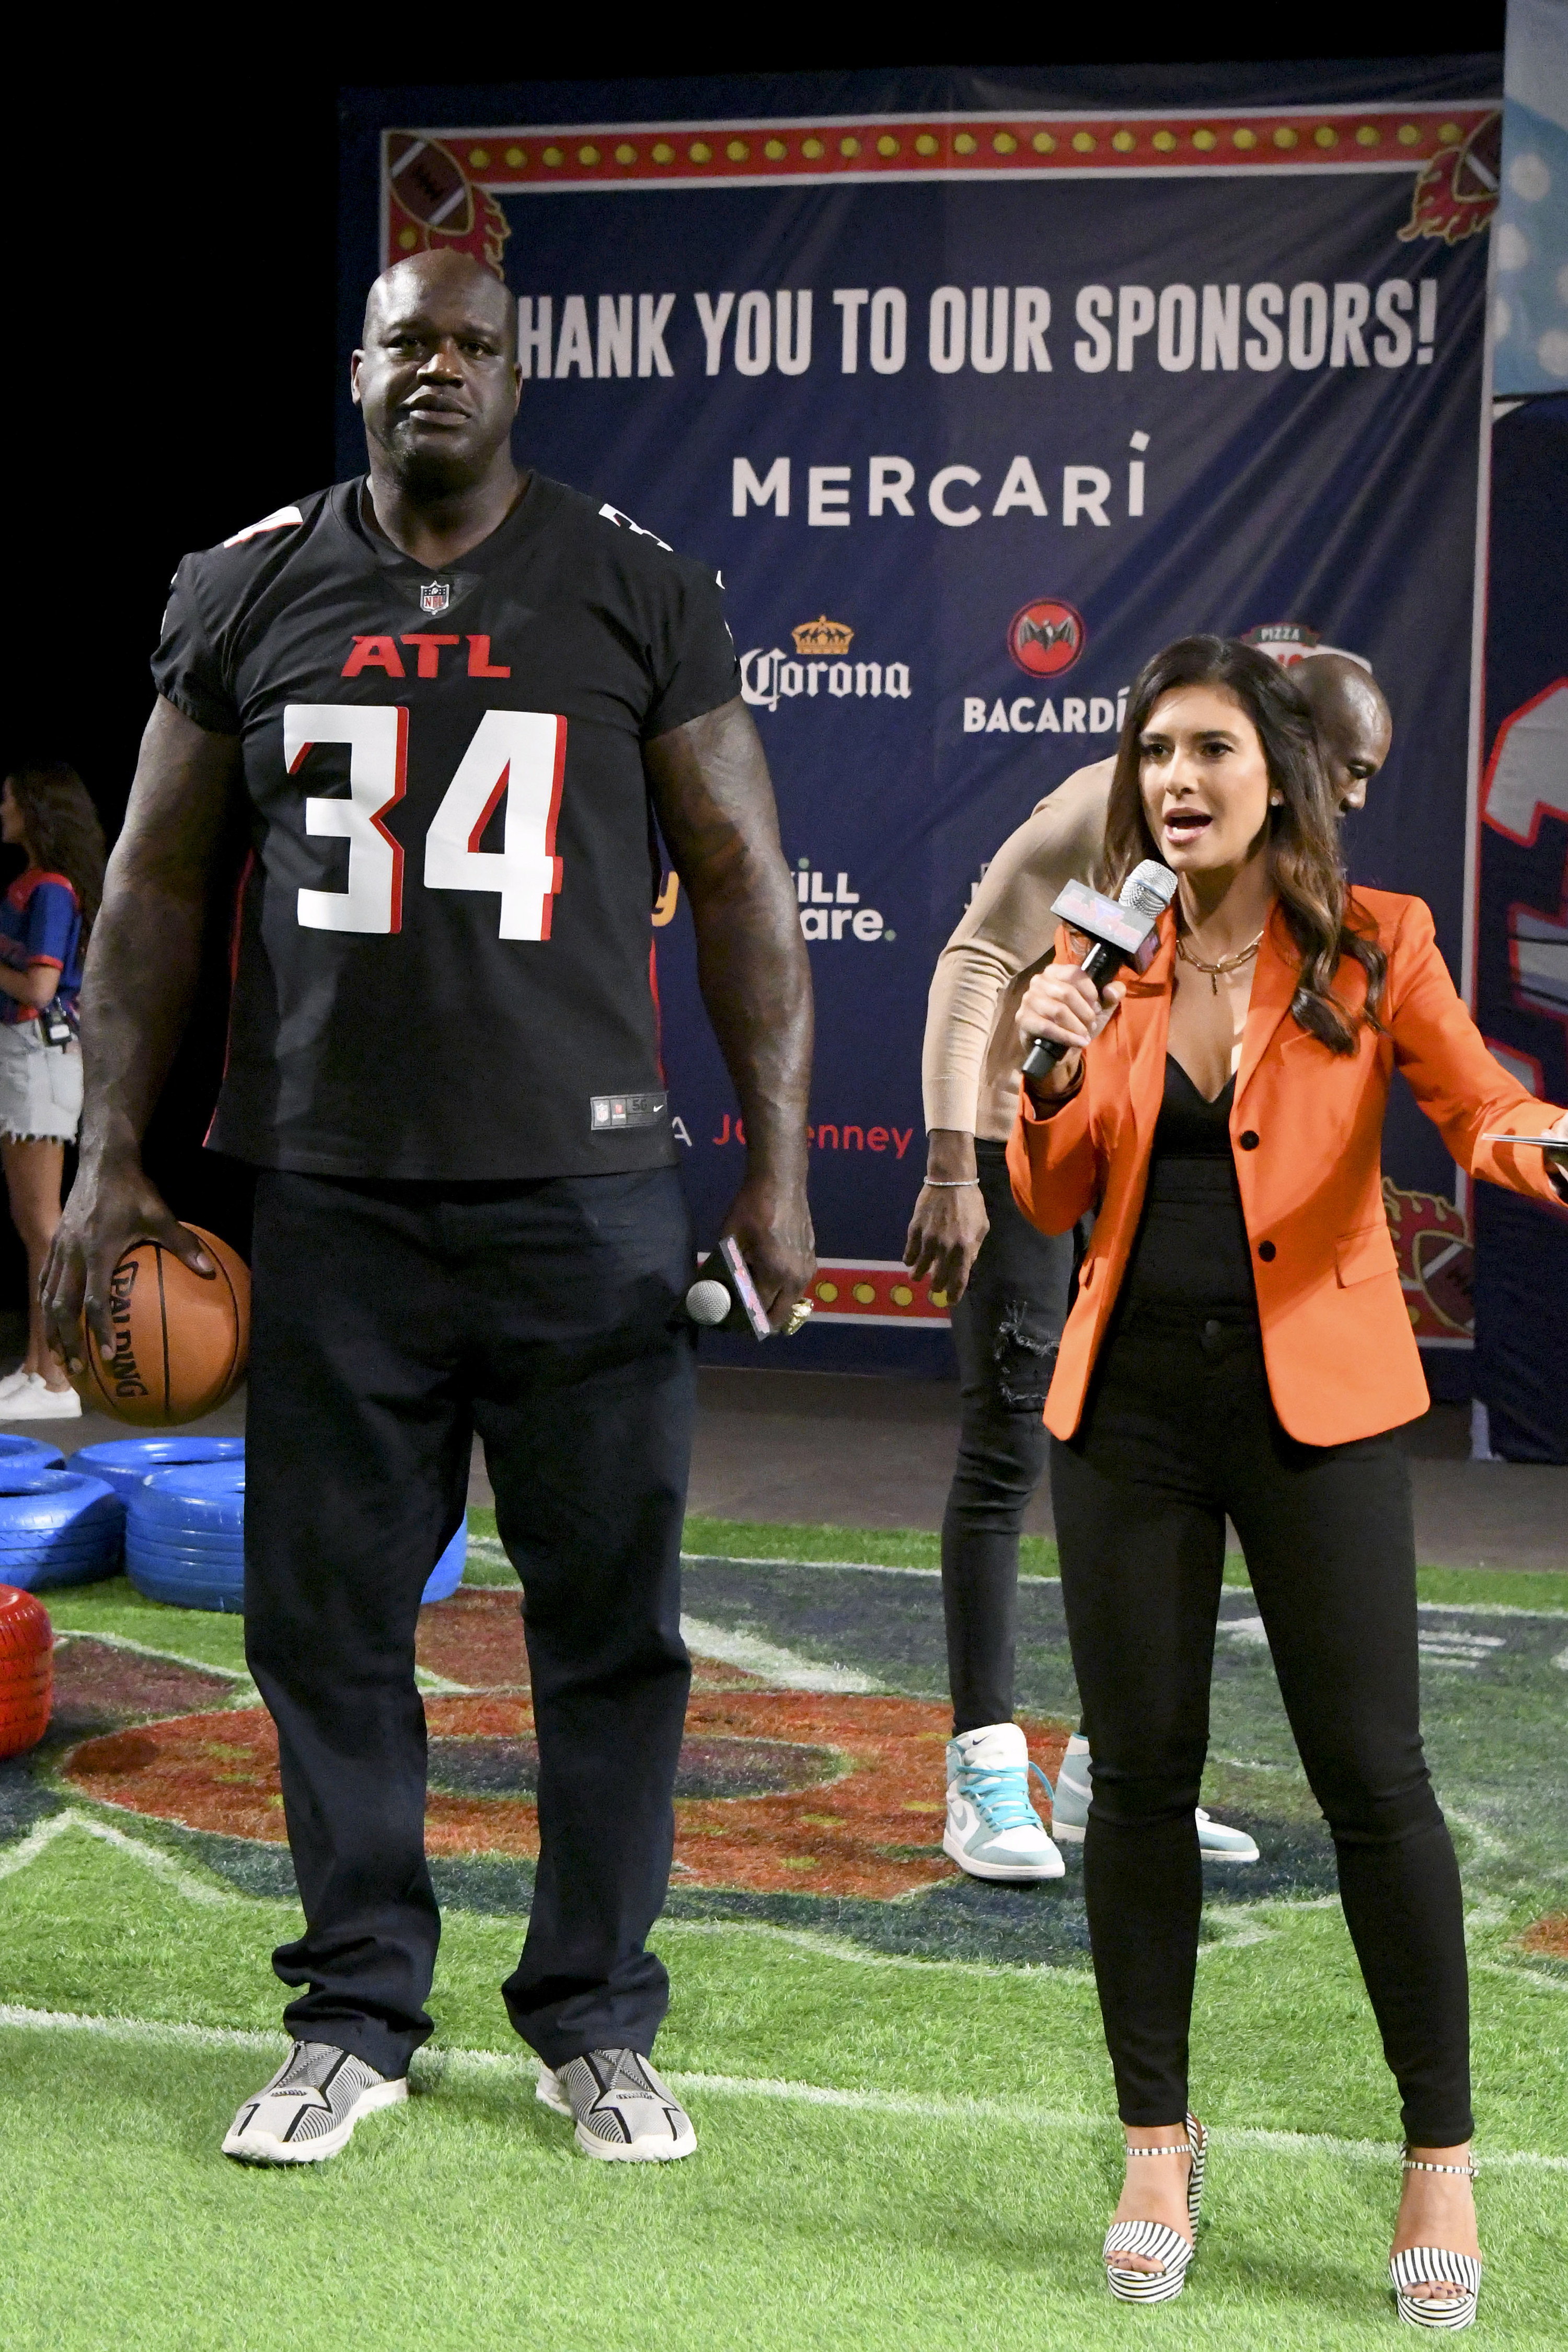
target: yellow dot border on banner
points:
(1325, 137)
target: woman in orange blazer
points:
(1240, 1345)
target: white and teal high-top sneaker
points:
(993, 1830)
(1218, 1842)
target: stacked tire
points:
(26, 1670)
(184, 1535)
(15, 1451)
(57, 1528)
(185, 1538)
(127, 1463)
(448, 1572)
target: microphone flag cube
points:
(1131, 933)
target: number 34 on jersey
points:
(520, 755)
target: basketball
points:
(180, 1341)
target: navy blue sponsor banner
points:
(974, 409)
(1521, 930)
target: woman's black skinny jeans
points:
(1007, 1327)
(1179, 1431)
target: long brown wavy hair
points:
(1303, 857)
(64, 835)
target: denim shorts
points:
(40, 1087)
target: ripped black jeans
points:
(1007, 1327)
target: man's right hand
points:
(110, 1209)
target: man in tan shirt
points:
(1009, 1284)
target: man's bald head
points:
(443, 271)
(1355, 725)
(437, 375)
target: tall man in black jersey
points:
(450, 701)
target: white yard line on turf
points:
(150, 1650)
(1034, 1576)
(756, 1656)
(858, 1567)
(936, 2109)
(150, 1857)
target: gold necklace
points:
(1226, 964)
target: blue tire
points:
(184, 1539)
(188, 1589)
(127, 1463)
(448, 1572)
(197, 1549)
(198, 1498)
(17, 1451)
(184, 1535)
(57, 1528)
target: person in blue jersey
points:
(44, 918)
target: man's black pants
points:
(391, 1322)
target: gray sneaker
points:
(310, 2106)
(623, 2110)
(1218, 1842)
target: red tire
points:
(26, 1670)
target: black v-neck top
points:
(1191, 1252)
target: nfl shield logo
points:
(435, 595)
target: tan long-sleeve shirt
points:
(972, 1057)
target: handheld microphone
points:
(724, 1297)
(1124, 930)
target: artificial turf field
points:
(897, 2078)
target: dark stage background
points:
(181, 302)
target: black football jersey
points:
(442, 962)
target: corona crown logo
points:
(1045, 637)
(822, 639)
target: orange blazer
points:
(1306, 1129)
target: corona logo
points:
(822, 639)
(819, 668)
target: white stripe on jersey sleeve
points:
(279, 519)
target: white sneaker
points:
(15, 1381)
(1069, 1811)
(33, 1400)
(1220, 1843)
(621, 2108)
(1069, 1801)
(993, 1830)
(310, 2106)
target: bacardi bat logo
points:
(1045, 637)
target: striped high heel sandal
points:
(1419, 2269)
(1157, 2240)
